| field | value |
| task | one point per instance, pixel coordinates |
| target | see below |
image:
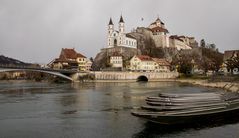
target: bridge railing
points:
(37, 68)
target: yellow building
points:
(142, 63)
(161, 65)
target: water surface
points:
(33, 109)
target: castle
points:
(156, 30)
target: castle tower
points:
(110, 27)
(121, 25)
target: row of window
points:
(116, 57)
(117, 62)
(127, 42)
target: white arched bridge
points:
(57, 72)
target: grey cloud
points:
(36, 30)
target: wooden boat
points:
(191, 110)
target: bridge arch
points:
(36, 70)
(142, 78)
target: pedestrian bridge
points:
(57, 72)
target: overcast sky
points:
(36, 30)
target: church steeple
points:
(110, 22)
(121, 19)
(110, 27)
(121, 25)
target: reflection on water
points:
(29, 109)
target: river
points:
(92, 110)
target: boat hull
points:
(191, 118)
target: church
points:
(118, 38)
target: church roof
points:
(110, 22)
(130, 36)
(121, 19)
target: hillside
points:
(10, 61)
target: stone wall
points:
(134, 75)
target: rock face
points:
(147, 45)
(102, 58)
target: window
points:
(115, 42)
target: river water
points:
(92, 110)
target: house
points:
(116, 60)
(161, 65)
(234, 56)
(70, 59)
(142, 63)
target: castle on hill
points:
(156, 30)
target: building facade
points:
(70, 59)
(116, 61)
(119, 38)
(142, 63)
(161, 65)
(159, 33)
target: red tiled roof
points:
(159, 29)
(70, 54)
(144, 58)
(161, 61)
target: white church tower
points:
(110, 27)
(121, 25)
(119, 38)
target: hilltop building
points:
(160, 35)
(119, 38)
(70, 59)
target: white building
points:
(119, 38)
(142, 63)
(116, 61)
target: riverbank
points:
(228, 86)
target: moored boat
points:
(187, 111)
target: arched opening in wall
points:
(115, 42)
(142, 78)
